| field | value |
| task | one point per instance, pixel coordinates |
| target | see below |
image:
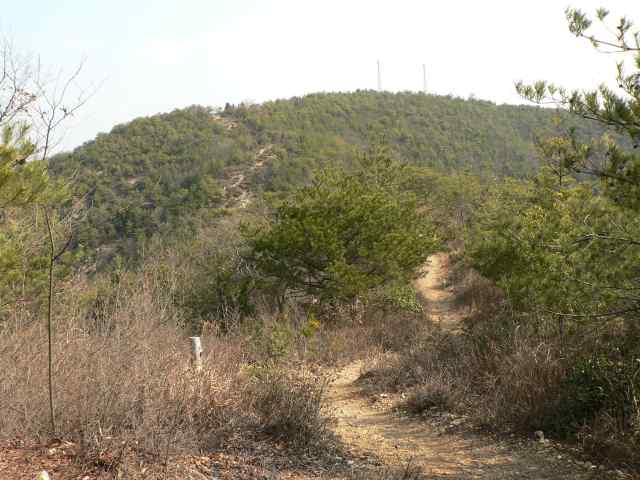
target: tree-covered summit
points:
(158, 174)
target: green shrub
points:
(603, 383)
(272, 340)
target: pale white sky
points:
(154, 56)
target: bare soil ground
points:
(378, 430)
(437, 296)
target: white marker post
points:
(196, 353)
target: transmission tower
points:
(424, 78)
(379, 78)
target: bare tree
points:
(37, 96)
(17, 94)
(34, 98)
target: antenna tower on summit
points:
(424, 78)
(379, 78)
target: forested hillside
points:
(476, 264)
(159, 173)
(150, 174)
(426, 130)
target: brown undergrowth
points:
(507, 371)
(127, 399)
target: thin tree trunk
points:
(52, 258)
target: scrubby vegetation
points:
(167, 173)
(136, 240)
(125, 391)
(549, 268)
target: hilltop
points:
(172, 171)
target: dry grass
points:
(291, 407)
(435, 392)
(481, 297)
(427, 359)
(512, 371)
(523, 389)
(123, 382)
(504, 380)
(122, 379)
(128, 378)
(408, 472)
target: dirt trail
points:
(237, 190)
(371, 430)
(437, 297)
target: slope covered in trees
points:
(158, 173)
(426, 130)
(150, 174)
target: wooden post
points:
(196, 353)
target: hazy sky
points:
(154, 56)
